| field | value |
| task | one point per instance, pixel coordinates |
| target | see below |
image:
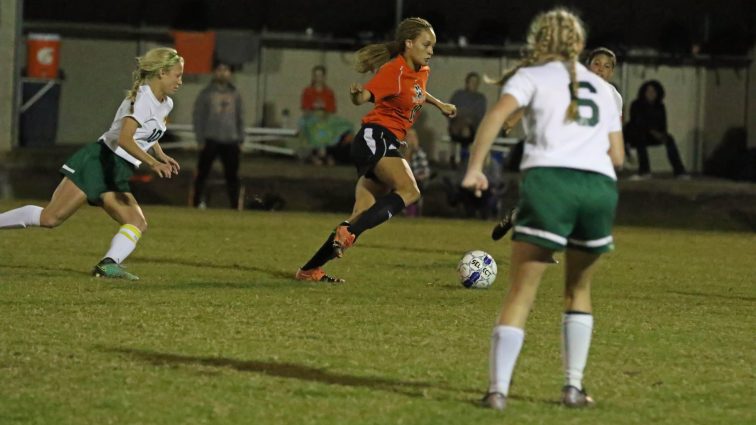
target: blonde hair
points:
(373, 56)
(554, 35)
(149, 66)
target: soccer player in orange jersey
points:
(386, 184)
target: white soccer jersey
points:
(151, 115)
(551, 141)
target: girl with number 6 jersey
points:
(568, 193)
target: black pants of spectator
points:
(229, 154)
(644, 167)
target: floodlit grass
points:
(217, 332)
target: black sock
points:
(106, 260)
(383, 209)
(322, 256)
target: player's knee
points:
(416, 195)
(577, 289)
(50, 219)
(410, 194)
(569, 293)
(141, 224)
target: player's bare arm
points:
(126, 141)
(358, 94)
(447, 109)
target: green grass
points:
(217, 332)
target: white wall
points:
(97, 75)
(726, 99)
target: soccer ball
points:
(477, 270)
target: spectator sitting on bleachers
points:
(648, 127)
(317, 127)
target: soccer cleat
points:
(342, 240)
(573, 397)
(317, 275)
(112, 271)
(504, 225)
(496, 401)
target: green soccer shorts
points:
(564, 207)
(95, 169)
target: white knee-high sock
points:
(506, 342)
(20, 218)
(123, 243)
(576, 340)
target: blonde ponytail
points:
(572, 110)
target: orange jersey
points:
(399, 93)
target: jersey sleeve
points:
(141, 110)
(520, 87)
(386, 82)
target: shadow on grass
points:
(197, 263)
(710, 295)
(15, 418)
(287, 370)
(36, 268)
(182, 286)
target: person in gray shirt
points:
(471, 106)
(219, 128)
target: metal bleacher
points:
(255, 139)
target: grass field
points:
(217, 332)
